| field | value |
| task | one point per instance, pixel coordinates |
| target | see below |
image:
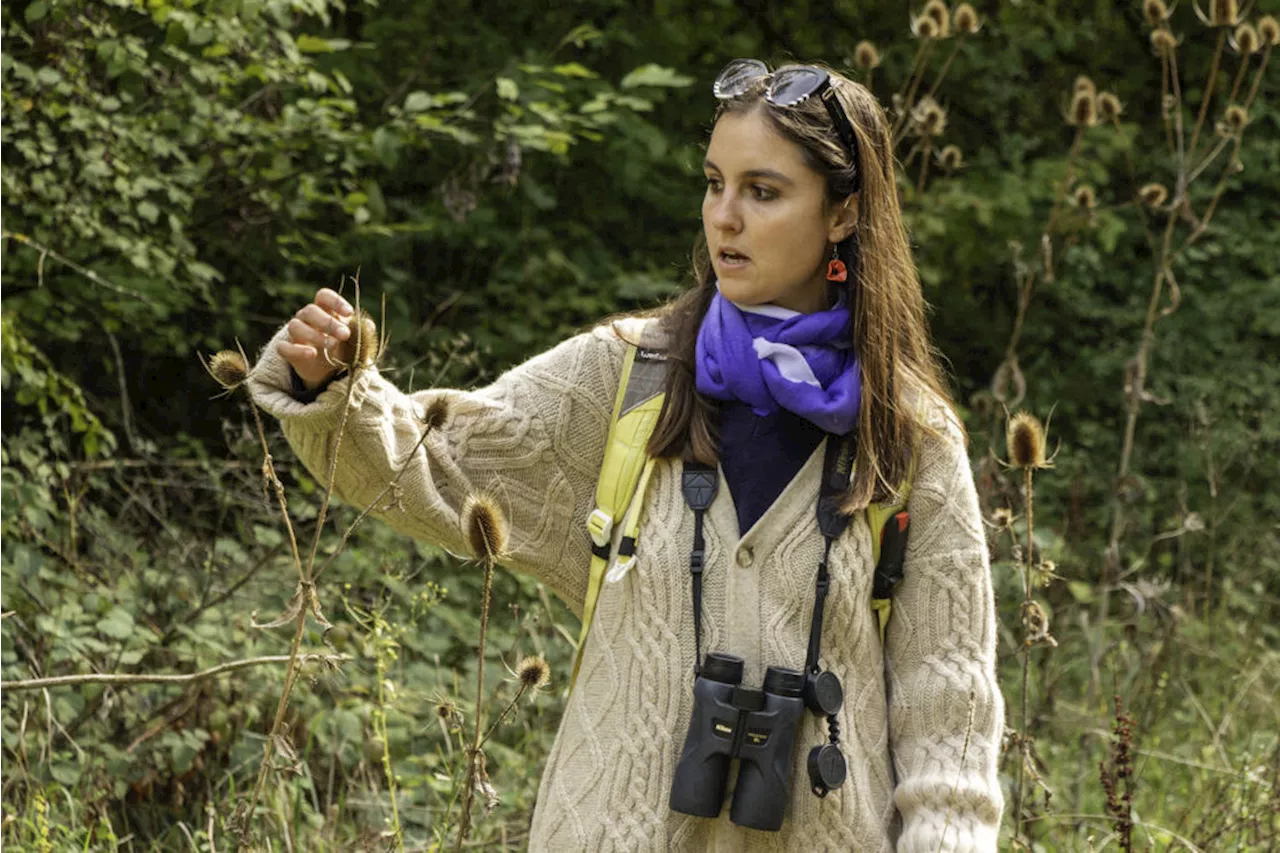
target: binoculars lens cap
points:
(824, 694)
(827, 768)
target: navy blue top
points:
(760, 456)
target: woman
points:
(806, 329)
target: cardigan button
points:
(745, 557)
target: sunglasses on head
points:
(788, 87)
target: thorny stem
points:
(1235, 84)
(1067, 176)
(1208, 90)
(387, 768)
(269, 468)
(1257, 79)
(946, 66)
(924, 164)
(473, 754)
(126, 679)
(1026, 656)
(505, 711)
(899, 125)
(372, 506)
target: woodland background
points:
(178, 176)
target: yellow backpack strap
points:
(624, 476)
(889, 523)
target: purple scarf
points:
(771, 357)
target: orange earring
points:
(836, 270)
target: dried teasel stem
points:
(1208, 91)
(486, 533)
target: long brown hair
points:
(898, 361)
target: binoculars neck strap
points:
(699, 484)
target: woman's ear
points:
(845, 220)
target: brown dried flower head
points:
(951, 158)
(228, 368)
(941, 15)
(533, 672)
(364, 339)
(1002, 517)
(1153, 195)
(1084, 84)
(1085, 197)
(1109, 106)
(436, 413)
(1084, 109)
(1269, 30)
(1026, 441)
(485, 528)
(1222, 13)
(865, 56)
(965, 20)
(925, 28)
(929, 118)
(1245, 40)
(1235, 118)
(1155, 11)
(1163, 41)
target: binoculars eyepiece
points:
(756, 726)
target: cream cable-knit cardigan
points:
(922, 718)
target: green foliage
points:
(179, 175)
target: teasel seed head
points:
(436, 413)
(1163, 41)
(1084, 109)
(941, 15)
(1235, 118)
(1002, 517)
(1026, 441)
(929, 118)
(1085, 197)
(1153, 195)
(1224, 13)
(965, 20)
(1245, 40)
(1269, 30)
(925, 28)
(1084, 84)
(533, 672)
(228, 368)
(364, 338)
(951, 158)
(865, 56)
(485, 528)
(1109, 106)
(1155, 11)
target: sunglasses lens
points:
(737, 77)
(793, 85)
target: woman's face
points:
(768, 226)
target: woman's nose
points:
(725, 214)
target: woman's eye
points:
(763, 193)
(713, 184)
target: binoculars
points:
(731, 721)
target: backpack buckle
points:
(600, 526)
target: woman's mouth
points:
(731, 259)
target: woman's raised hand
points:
(320, 326)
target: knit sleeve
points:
(945, 709)
(533, 442)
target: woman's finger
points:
(302, 333)
(332, 301)
(323, 322)
(296, 354)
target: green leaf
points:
(117, 624)
(654, 75)
(507, 89)
(35, 12)
(574, 69)
(148, 211)
(416, 102)
(65, 772)
(312, 44)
